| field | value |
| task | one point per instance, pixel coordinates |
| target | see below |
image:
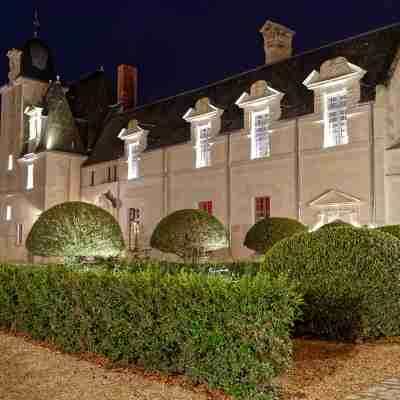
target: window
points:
(335, 120)
(29, 179)
(10, 162)
(35, 126)
(8, 213)
(203, 146)
(262, 207)
(92, 178)
(109, 174)
(133, 161)
(206, 206)
(19, 235)
(261, 144)
(134, 222)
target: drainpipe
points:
(228, 193)
(372, 165)
(297, 169)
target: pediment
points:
(260, 92)
(202, 110)
(335, 198)
(133, 131)
(333, 70)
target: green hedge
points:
(391, 229)
(337, 223)
(265, 233)
(349, 278)
(231, 334)
(75, 229)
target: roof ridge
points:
(238, 75)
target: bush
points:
(189, 234)
(349, 278)
(265, 233)
(391, 229)
(232, 334)
(335, 224)
(74, 230)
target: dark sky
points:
(179, 44)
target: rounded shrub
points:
(349, 277)
(265, 233)
(73, 230)
(189, 234)
(392, 229)
(335, 224)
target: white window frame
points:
(335, 120)
(30, 176)
(35, 126)
(203, 157)
(10, 165)
(8, 213)
(260, 148)
(133, 160)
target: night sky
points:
(179, 44)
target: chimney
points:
(127, 86)
(277, 42)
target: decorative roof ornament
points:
(36, 24)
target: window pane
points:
(202, 146)
(336, 120)
(260, 136)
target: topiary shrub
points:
(73, 230)
(391, 229)
(265, 233)
(349, 278)
(189, 234)
(335, 224)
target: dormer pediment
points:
(134, 133)
(333, 72)
(203, 110)
(335, 198)
(260, 94)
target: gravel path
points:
(32, 372)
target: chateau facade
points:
(312, 136)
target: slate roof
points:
(373, 51)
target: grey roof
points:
(373, 51)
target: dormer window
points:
(133, 161)
(335, 119)
(205, 121)
(260, 137)
(35, 121)
(135, 139)
(203, 146)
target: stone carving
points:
(14, 57)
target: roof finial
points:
(36, 24)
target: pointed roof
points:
(61, 132)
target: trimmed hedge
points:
(265, 233)
(391, 229)
(349, 278)
(336, 224)
(73, 230)
(189, 234)
(231, 334)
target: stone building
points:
(312, 136)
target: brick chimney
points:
(127, 86)
(277, 42)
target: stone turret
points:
(277, 42)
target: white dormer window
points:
(133, 161)
(35, 121)
(260, 137)
(29, 177)
(203, 146)
(8, 213)
(10, 165)
(335, 119)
